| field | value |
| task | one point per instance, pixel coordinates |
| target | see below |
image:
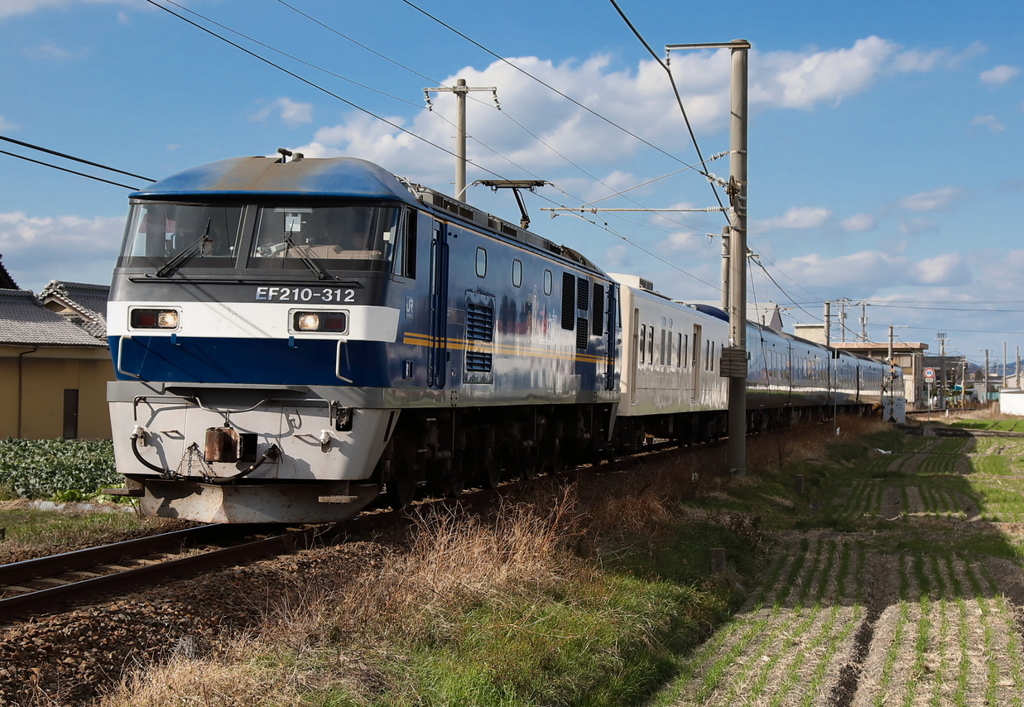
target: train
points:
(295, 340)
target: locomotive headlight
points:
(325, 322)
(308, 322)
(167, 319)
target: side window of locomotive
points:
(517, 272)
(200, 236)
(481, 262)
(401, 249)
(547, 282)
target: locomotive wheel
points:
(401, 487)
(454, 488)
(492, 474)
(555, 463)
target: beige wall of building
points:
(35, 404)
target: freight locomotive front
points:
(293, 337)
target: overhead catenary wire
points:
(679, 99)
(381, 55)
(66, 156)
(313, 84)
(70, 171)
(544, 83)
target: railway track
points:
(48, 583)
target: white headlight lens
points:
(167, 320)
(309, 322)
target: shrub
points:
(56, 467)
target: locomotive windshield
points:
(332, 233)
(194, 236)
(169, 236)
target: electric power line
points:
(70, 171)
(70, 157)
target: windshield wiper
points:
(186, 254)
(319, 271)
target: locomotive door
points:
(696, 362)
(613, 323)
(437, 363)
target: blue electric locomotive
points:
(294, 338)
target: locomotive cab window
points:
(181, 235)
(347, 237)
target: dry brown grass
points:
(454, 559)
(457, 559)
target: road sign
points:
(929, 373)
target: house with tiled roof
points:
(53, 372)
(82, 304)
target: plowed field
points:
(916, 597)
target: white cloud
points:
(7, 125)
(873, 270)
(797, 217)
(934, 200)
(946, 269)
(916, 225)
(802, 80)
(13, 8)
(37, 249)
(635, 98)
(291, 113)
(989, 122)
(999, 74)
(859, 222)
(47, 52)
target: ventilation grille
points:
(583, 294)
(598, 317)
(581, 333)
(479, 322)
(568, 300)
(478, 362)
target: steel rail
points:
(44, 599)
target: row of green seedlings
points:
(919, 495)
(947, 604)
(1001, 500)
(785, 645)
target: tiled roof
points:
(6, 281)
(24, 321)
(88, 304)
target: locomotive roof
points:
(346, 177)
(335, 176)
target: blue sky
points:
(885, 138)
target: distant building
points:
(54, 362)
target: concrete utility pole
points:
(828, 323)
(734, 356)
(460, 89)
(941, 336)
(863, 321)
(986, 377)
(1016, 368)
